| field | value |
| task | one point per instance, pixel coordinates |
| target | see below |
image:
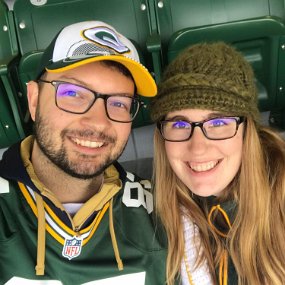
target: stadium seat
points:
(11, 118)
(8, 129)
(173, 15)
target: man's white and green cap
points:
(92, 41)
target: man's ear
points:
(33, 96)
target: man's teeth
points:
(203, 166)
(90, 144)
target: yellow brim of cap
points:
(145, 83)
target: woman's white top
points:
(200, 275)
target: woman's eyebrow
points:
(215, 114)
(183, 117)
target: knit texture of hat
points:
(210, 76)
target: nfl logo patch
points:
(72, 247)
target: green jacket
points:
(77, 256)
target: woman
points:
(219, 171)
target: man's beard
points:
(83, 167)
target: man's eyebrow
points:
(73, 79)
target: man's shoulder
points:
(12, 167)
(11, 161)
(134, 215)
(9, 192)
(9, 208)
(4, 186)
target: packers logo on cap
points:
(107, 38)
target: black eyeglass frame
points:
(238, 119)
(97, 95)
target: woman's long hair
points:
(256, 240)
(170, 196)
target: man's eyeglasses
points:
(221, 128)
(77, 99)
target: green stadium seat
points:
(36, 25)
(9, 133)
(11, 118)
(173, 15)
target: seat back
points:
(8, 44)
(176, 15)
(10, 120)
(37, 25)
(8, 129)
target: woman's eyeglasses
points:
(220, 128)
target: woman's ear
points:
(33, 95)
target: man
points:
(69, 213)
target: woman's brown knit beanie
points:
(211, 76)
